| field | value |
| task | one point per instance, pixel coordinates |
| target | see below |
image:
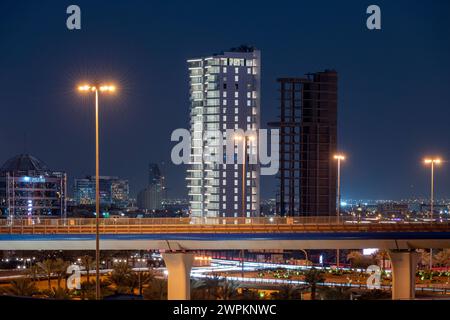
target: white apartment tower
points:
(224, 95)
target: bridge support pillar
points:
(404, 264)
(179, 270)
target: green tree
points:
(334, 293)
(227, 290)
(442, 258)
(89, 264)
(287, 292)
(313, 277)
(157, 290)
(87, 291)
(144, 279)
(58, 293)
(358, 260)
(34, 272)
(122, 278)
(60, 269)
(48, 267)
(22, 287)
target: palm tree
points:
(61, 270)
(425, 257)
(122, 277)
(34, 272)
(443, 258)
(313, 277)
(88, 289)
(48, 268)
(287, 292)
(228, 290)
(212, 286)
(198, 289)
(329, 293)
(58, 293)
(358, 260)
(381, 255)
(22, 287)
(89, 264)
(248, 294)
(157, 290)
(145, 278)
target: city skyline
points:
(385, 92)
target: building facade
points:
(151, 198)
(224, 96)
(308, 142)
(113, 191)
(28, 188)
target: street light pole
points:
(97, 202)
(432, 191)
(244, 146)
(96, 90)
(338, 157)
(432, 162)
(244, 176)
(244, 162)
(338, 189)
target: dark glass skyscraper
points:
(308, 141)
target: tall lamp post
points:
(432, 162)
(244, 140)
(96, 90)
(338, 158)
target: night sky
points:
(394, 87)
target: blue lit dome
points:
(24, 163)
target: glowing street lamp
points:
(338, 158)
(96, 89)
(432, 162)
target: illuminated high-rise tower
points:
(224, 94)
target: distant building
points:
(28, 188)
(151, 198)
(113, 191)
(393, 208)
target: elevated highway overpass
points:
(178, 237)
